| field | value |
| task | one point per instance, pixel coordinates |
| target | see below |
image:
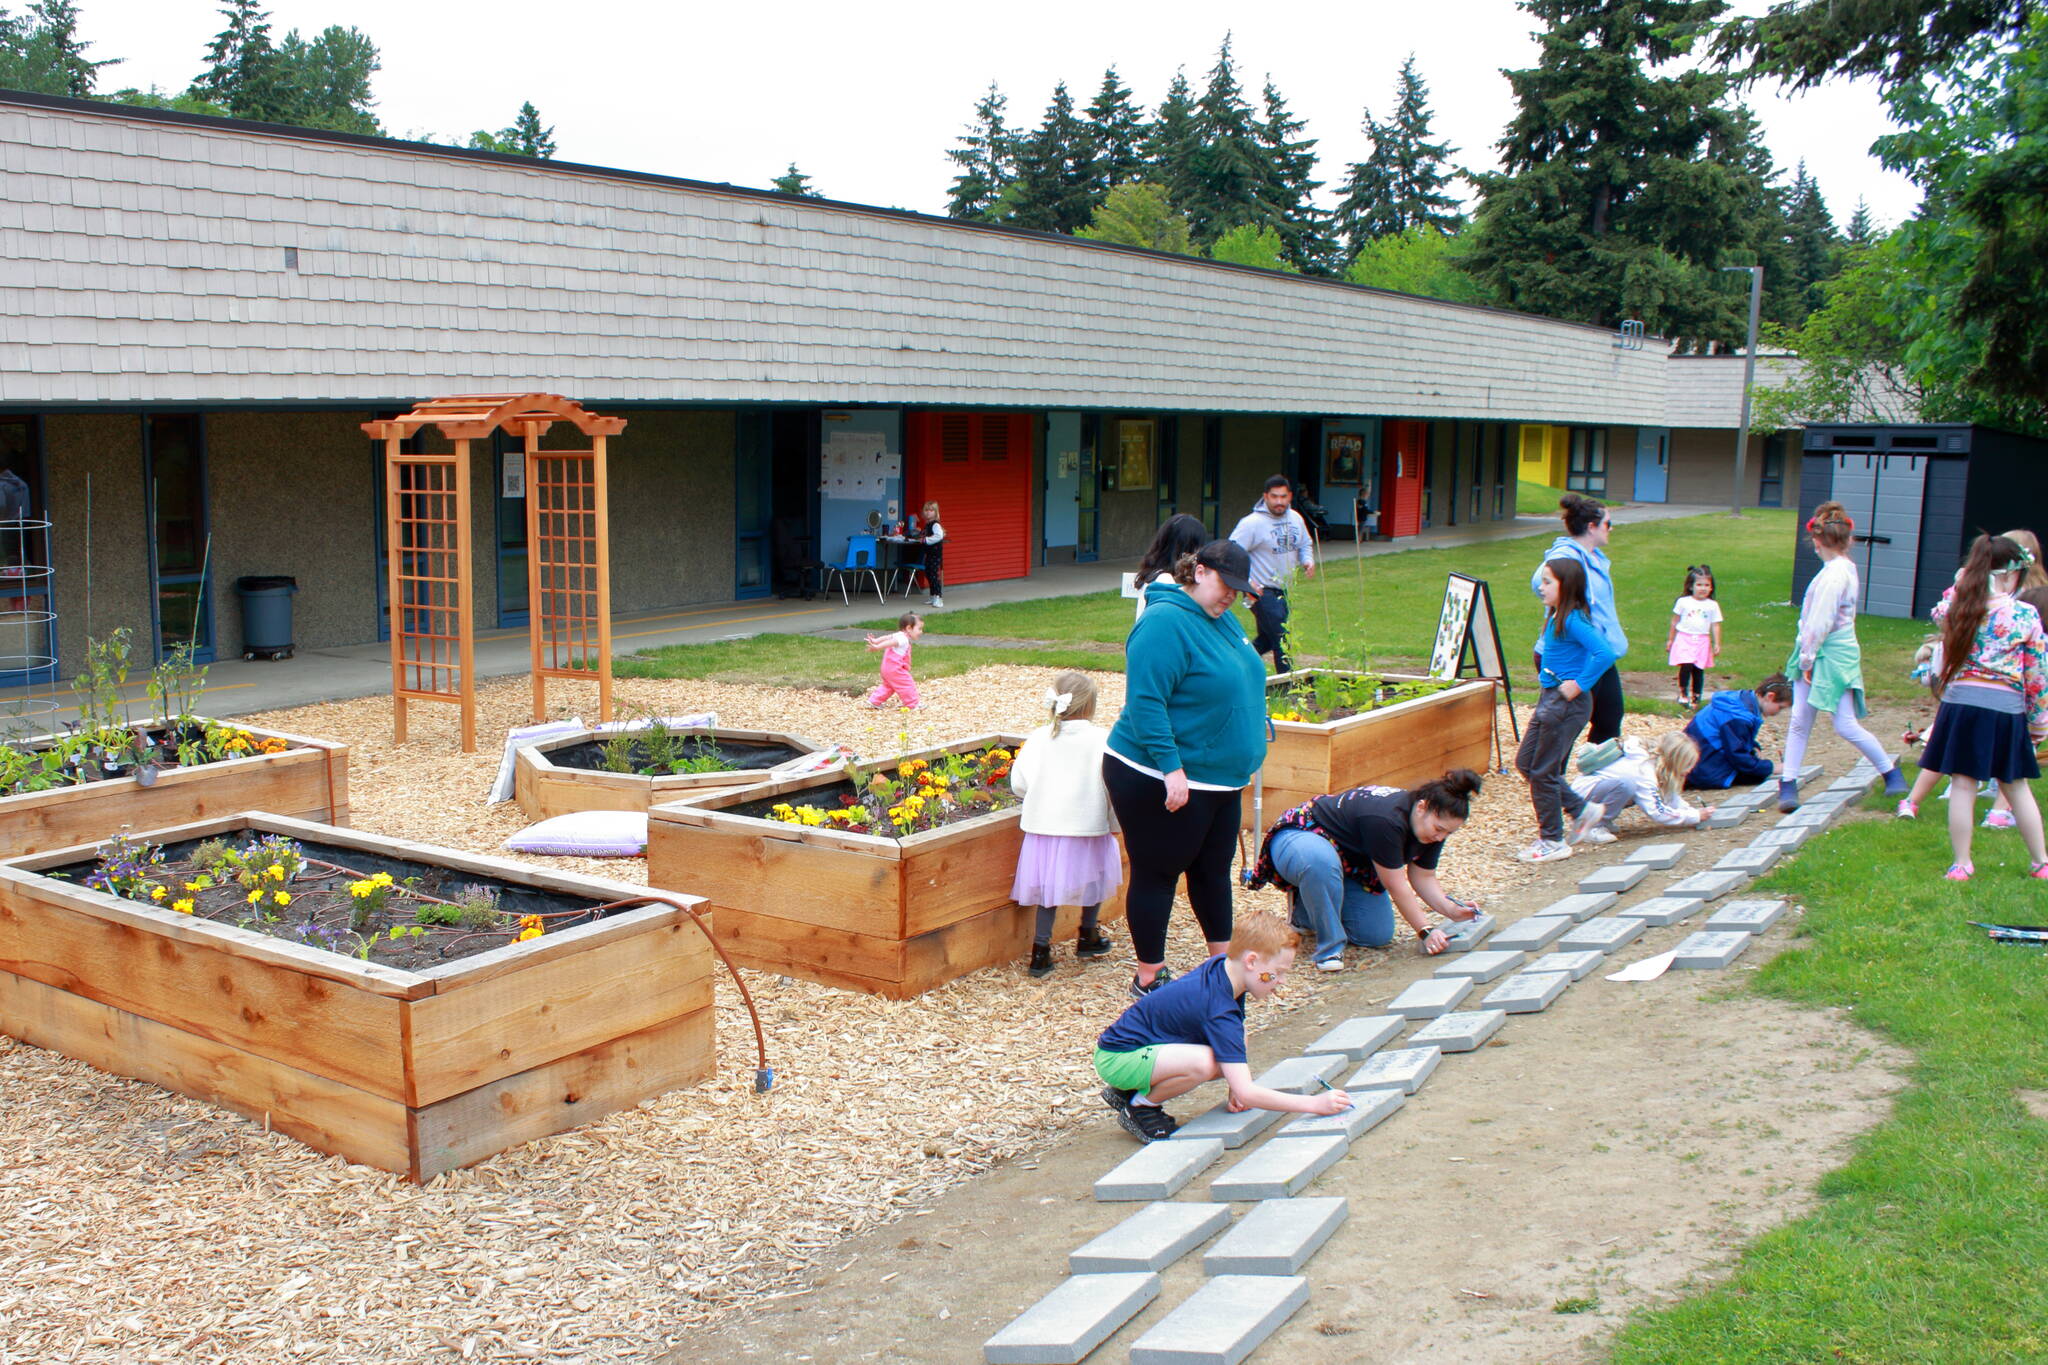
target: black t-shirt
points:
(1370, 827)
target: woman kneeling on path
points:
(1353, 857)
(1191, 734)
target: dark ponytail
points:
(1581, 513)
(1450, 795)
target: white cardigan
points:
(1637, 771)
(1060, 778)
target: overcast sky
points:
(867, 98)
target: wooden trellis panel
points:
(568, 568)
(433, 628)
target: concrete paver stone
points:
(1711, 948)
(1277, 1237)
(1856, 784)
(1603, 935)
(1659, 911)
(1401, 1068)
(1464, 937)
(1727, 817)
(1708, 886)
(1617, 878)
(1788, 838)
(1483, 966)
(1279, 1170)
(1222, 1322)
(1077, 1316)
(1356, 1039)
(1581, 907)
(1657, 856)
(1749, 917)
(1431, 996)
(1527, 992)
(1577, 963)
(1232, 1130)
(1298, 1075)
(1753, 861)
(1527, 935)
(1158, 1170)
(1151, 1239)
(1462, 1032)
(1369, 1109)
(1810, 772)
(1816, 816)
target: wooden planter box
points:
(545, 789)
(412, 1072)
(1394, 746)
(887, 916)
(308, 780)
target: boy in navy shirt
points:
(1726, 728)
(1191, 1030)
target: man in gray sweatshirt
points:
(1277, 539)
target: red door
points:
(1402, 459)
(977, 467)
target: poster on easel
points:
(1468, 640)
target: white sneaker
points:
(1330, 964)
(1545, 851)
(1599, 834)
(1591, 815)
(936, 602)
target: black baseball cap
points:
(1230, 562)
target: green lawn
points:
(1928, 1246)
(1381, 611)
(808, 661)
(1536, 499)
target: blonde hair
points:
(2036, 575)
(930, 512)
(1265, 934)
(1675, 755)
(1081, 688)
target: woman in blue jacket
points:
(1573, 655)
(1587, 527)
(1191, 734)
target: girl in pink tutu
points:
(1070, 854)
(1695, 636)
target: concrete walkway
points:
(238, 687)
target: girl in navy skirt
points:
(1994, 699)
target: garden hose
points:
(764, 1074)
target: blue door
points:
(1062, 486)
(1653, 463)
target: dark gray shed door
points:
(1883, 494)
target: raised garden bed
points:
(466, 1050)
(832, 901)
(1333, 730)
(286, 774)
(595, 770)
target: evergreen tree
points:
(1815, 251)
(1172, 143)
(1053, 190)
(794, 181)
(1365, 199)
(1139, 214)
(243, 73)
(1115, 136)
(1623, 191)
(1862, 231)
(1303, 228)
(40, 52)
(1231, 178)
(987, 158)
(1403, 181)
(526, 136)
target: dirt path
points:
(1599, 1157)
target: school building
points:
(202, 312)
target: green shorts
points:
(1126, 1070)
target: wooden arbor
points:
(428, 543)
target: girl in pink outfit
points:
(895, 647)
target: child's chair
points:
(860, 560)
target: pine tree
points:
(1303, 228)
(987, 158)
(1231, 179)
(1815, 250)
(1622, 191)
(1365, 200)
(1862, 229)
(40, 52)
(1115, 136)
(1172, 143)
(243, 74)
(794, 181)
(526, 136)
(1053, 190)
(1403, 181)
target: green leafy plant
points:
(102, 713)
(391, 935)
(367, 899)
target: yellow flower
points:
(525, 934)
(183, 907)
(275, 872)
(532, 923)
(255, 896)
(283, 898)
(199, 884)
(157, 893)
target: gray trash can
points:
(266, 615)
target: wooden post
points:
(601, 486)
(391, 561)
(536, 574)
(465, 617)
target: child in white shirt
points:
(1695, 635)
(1070, 854)
(1651, 778)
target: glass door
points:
(754, 510)
(1212, 476)
(511, 528)
(1087, 543)
(174, 481)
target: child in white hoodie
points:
(1650, 778)
(1070, 854)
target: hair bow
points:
(1058, 701)
(1814, 523)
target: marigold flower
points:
(183, 907)
(525, 934)
(275, 872)
(157, 893)
(255, 896)
(283, 898)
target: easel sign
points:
(1468, 639)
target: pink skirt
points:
(1067, 869)
(1692, 649)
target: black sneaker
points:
(1041, 959)
(1150, 1122)
(1139, 992)
(1092, 943)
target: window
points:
(174, 478)
(1587, 472)
(1770, 490)
(1478, 445)
(1500, 473)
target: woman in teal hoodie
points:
(1191, 734)
(1587, 526)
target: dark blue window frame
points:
(203, 635)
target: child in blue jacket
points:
(1574, 656)
(1725, 729)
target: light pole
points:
(1756, 297)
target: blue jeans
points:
(1338, 910)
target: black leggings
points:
(1692, 680)
(1607, 707)
(935, 568)
(1197, 840)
